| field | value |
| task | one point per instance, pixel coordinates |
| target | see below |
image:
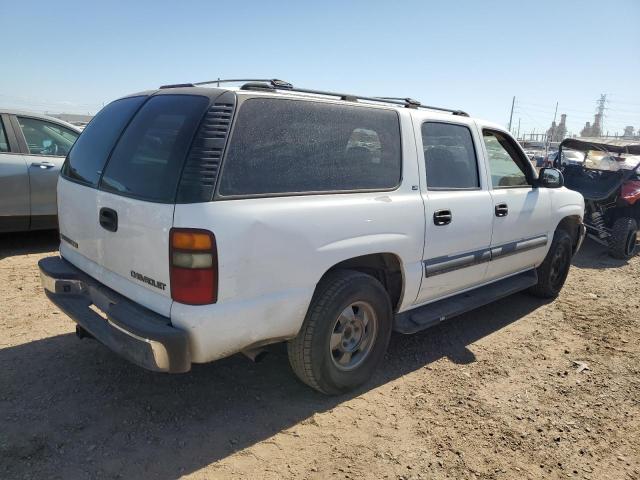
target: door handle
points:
(109, 219)
(442, 217)
(43, 165)
(502, 210)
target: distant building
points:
(594, 130)
(557, 132)
(586, 131)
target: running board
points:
(431, 314)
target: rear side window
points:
(449, 156)
(46, 138)
(87, 157)
(292, 146)
(148, 160)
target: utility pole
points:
(548, 139)
(518, 134)
(513, 102)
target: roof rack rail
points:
(411, 103)
(176, 85)
(276, 84)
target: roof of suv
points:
(280, 88)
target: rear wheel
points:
(345, 333)
(623, 243)
(553, 271)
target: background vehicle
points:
(206, 221)
(32, 149)
(569, 157)
(610, 184)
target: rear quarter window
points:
(293, 146)
(148, 159)
(86, 159)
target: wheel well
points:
(570, 225)
(385, 267)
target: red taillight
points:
(193, 259)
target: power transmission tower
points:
(602, 103)
(599, 120)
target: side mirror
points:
(550, 178)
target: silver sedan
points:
(32, 150)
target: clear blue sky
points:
(475, 55)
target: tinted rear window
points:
(148, 159)
(87, 157)
(292, 146)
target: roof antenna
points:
(218, 81)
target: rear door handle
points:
(442, 217)
(43, 165)
(502, 210)
(109, 219)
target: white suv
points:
(199, 222)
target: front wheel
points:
(345, 333)
(624, 238)
(553, 271)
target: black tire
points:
(553, 271)
(312, 355)
(623, 243)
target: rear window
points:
(292, 146)
(148, 159)
(87, 157)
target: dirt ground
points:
(497, 393)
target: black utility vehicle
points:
(609, 179)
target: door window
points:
(46, 138)
(505, 162)
(450, 157)
(4, 145)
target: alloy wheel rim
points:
(353, 335)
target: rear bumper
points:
(129, 329)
